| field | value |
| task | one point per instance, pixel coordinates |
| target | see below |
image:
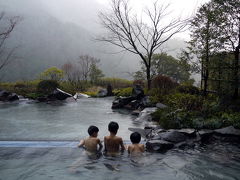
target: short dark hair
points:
(113, 127)
(135, 137)
(92, 129)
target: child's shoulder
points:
(118, 137)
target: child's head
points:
(135, 138)
(113, 127)
(93, 131)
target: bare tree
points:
(7, 26)
(129, 32)
(79, 73)
(85, 65)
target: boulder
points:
(120, 102)
(102, 93)
(205, 134)
(12, 97)
(58, 94)
(188, 132)
(143, 132)
(137, 92)
(8, 96)
(133, 105)
(145, 114)
(155, 134)
(173, 136)
(136, 101)
(228, 131)
(158, 146)
(4, 94)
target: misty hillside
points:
(45, 37)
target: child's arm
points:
(100, 145)
(81, 144)
(129, 149)
(122, 145)
(105, 144)
(142, 148)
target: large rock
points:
(8, 96)
(173, 136)
(120, 102)
(133, 105)
(145, 114)
(205, 135)
(158, 146)
(59, 94)
(136, 101)
(4, 94)
(228, 131)
(137, 92)
(13, 97)
(188, 132)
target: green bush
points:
(21, 87)
(166, 118)
(125, 92)
(188, 89)
(47, 86)
(34, 95)
(184, 101)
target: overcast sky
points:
(72, 10)
(183, 8)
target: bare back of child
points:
(113, 144)
(135, 147)
(92, 142)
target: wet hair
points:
(92, 129)
(113, 127)
(135, 138)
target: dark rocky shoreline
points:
(161, 140)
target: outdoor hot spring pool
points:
(38, 141)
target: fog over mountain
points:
(53, 32)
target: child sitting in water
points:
(113, 144)
(135, 147)
(92, 142)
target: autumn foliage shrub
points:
(164, 84)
